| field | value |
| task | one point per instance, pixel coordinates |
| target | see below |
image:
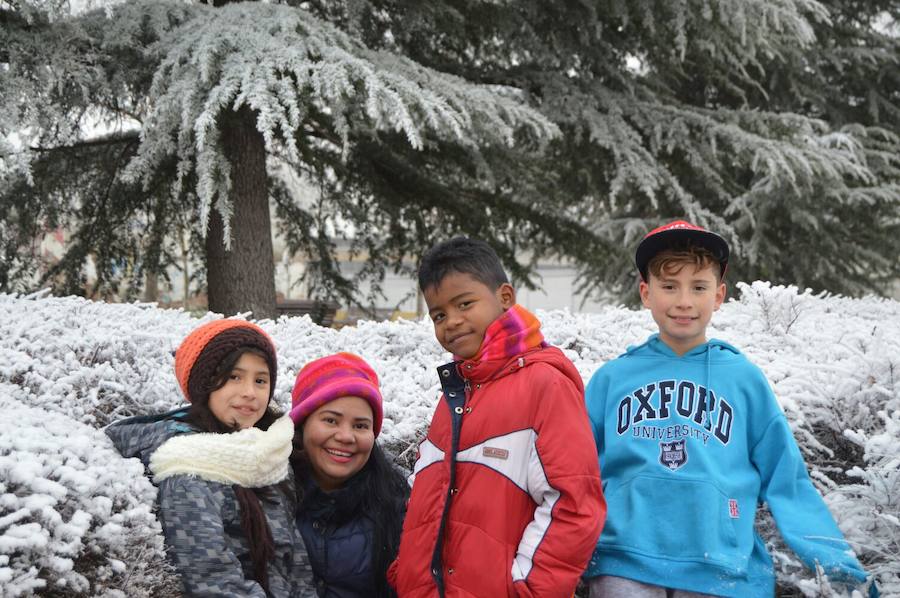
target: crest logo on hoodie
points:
(673, 455)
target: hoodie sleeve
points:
(564, 481)
(802, 517)
(595, 400)
(191, 516)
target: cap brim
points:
(661, 241)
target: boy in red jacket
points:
(506, 499)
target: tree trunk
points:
(151, 287)
(242, 279)
(185, 268)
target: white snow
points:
(76, 516)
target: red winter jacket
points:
(515, 509)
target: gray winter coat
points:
(202, 523)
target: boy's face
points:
(462, 308)
(682, 304)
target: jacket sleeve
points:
(191, 518)
(800, 513)
(392, 574)
(564, 481)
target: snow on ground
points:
(76, 519)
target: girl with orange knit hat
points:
(352, 499)
(226, 497)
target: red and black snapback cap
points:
(678, 234)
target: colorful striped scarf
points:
(513, 333)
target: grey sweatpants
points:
(607, 586)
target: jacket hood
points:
(713, 349)
(140, 436)
(491, 370)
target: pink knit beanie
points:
(333, 377)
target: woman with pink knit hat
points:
(352, 499)
(226, 497)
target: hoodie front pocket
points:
(673, 518)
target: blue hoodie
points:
(688, 446)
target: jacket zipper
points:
(457, 409)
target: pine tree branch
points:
(108, 140)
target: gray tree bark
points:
(242, 278)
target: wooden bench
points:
(320, 312)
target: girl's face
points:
(338, 439)
(242, 401)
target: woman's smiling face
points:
(338, 438)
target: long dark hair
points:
(253, 519)
(380, 493)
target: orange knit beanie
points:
(201, 352)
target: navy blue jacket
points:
(338, 541)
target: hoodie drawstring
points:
(707, 402)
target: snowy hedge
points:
(75, 519)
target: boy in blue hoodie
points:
(690, 440)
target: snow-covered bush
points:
(75, 518)
(69, 366)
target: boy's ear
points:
(720, 295)
(644, 290)
(506, 294)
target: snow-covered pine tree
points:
(748, 116)
(722, 111)
(204, 96)
(850, 79)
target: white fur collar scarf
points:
(252, 458)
